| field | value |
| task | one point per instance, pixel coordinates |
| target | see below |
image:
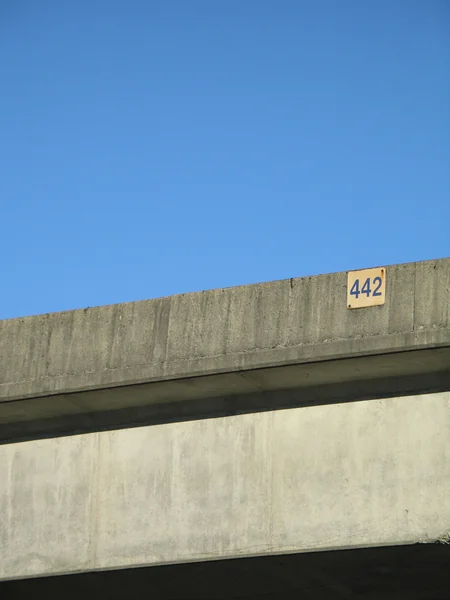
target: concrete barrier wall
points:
(222, 331)
(338, 476)
(224, 352)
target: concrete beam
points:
(351, 475)
(198, 353)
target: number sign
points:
(366, 288)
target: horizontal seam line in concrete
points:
(181, 378)
(237, 354)
(254, 350)
(242, 353)
(175, 377)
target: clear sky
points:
(152, 147)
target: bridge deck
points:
(224, 351)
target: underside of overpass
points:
(417, 572)
(262, 442)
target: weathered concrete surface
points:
(237, 342)
(337, 476)
(386, 375)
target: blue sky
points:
(152, 147)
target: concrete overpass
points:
(266, 422)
